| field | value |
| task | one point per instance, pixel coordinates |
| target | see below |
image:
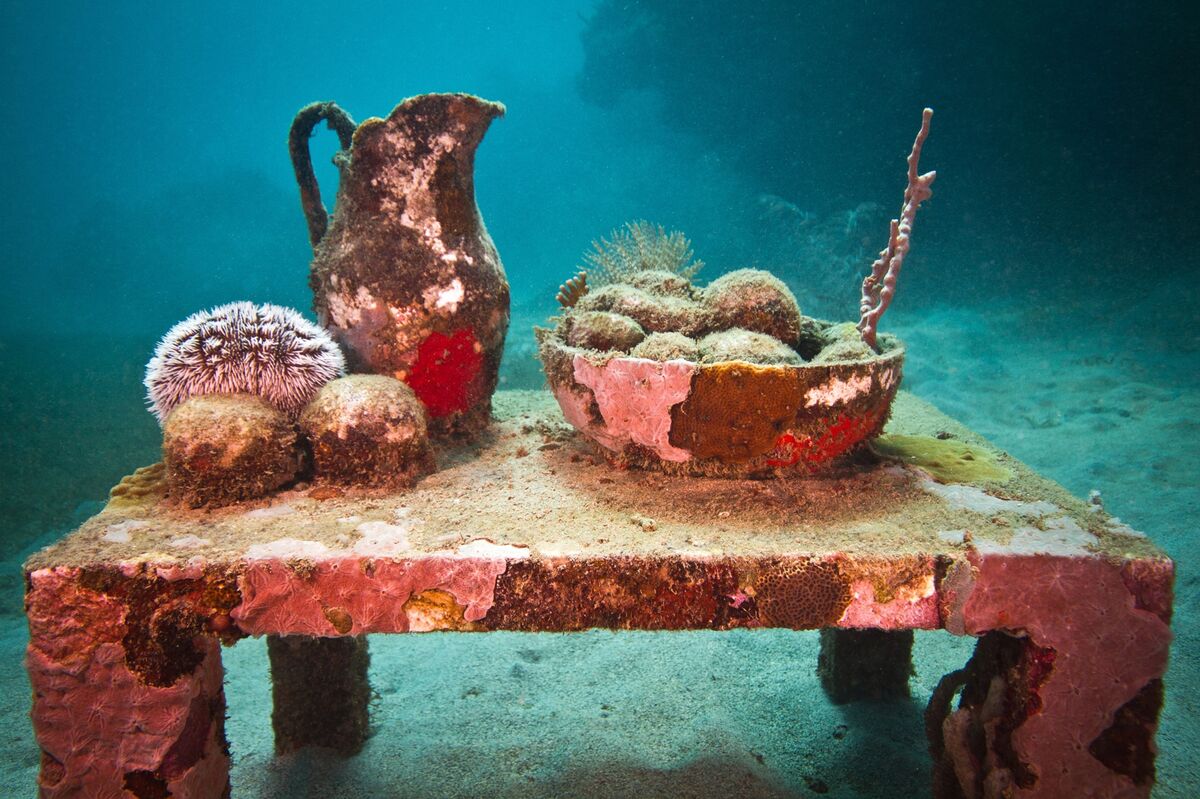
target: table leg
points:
(122, 706)
(320, 690)
(1062, 695)
(865, 664)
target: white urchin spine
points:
(267, 350)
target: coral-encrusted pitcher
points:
(405, 276)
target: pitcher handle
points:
(302, 130)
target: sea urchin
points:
(266, 350)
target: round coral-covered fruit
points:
(223, 448)
(754, 300)
(367, 430)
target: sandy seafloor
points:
(1094, 395)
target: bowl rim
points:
(893, 349)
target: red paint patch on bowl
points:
(842, 434)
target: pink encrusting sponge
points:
(267, 350)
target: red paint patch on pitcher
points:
(444, 374)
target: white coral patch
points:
(270, 512)
(346, 310)
(1058, 536)
(560, 548)
(382, 539)
(287, 548)
(444, 298)
(922, 589)
(953, 536)
(835, 390)
(401, 315)
(693, 551)
(974, 499)
(119, 533)
(188, 542)
(1053, 534)
(483, 548)
(1115, 525)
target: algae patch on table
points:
(946, 460)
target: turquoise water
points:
(1049, 302)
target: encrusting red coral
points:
(108, 725)
(365, 597)
(1084, 635)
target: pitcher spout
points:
(461, 111)
(464, 118)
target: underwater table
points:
(528, 530)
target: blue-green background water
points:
(1050, 299)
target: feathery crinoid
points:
(267, 350)
(640, 246)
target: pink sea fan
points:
(241, 347)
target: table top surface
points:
(533, 488)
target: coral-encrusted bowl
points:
(730, 419)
